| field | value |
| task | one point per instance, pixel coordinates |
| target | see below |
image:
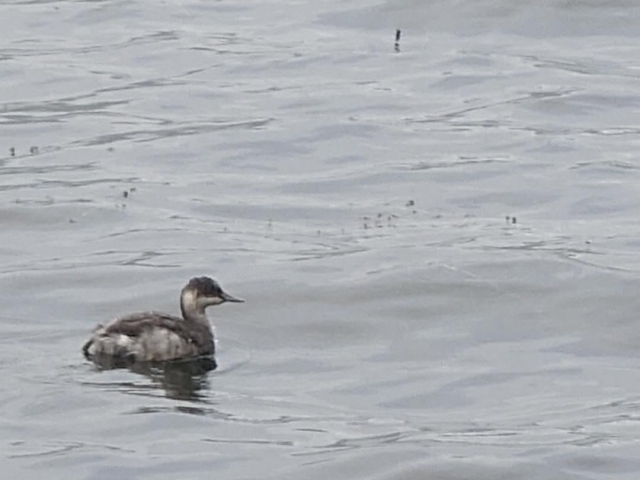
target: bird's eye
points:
(214, 289)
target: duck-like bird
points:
(160, 337)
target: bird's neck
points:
(191, 310)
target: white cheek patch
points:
(204, 302)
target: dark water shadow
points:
(180, 380)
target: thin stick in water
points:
(397, 44)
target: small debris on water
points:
(126, 193)
(410, 203)
(33, 150)
(396, 46)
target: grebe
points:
(160, 337)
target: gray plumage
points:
(159, 337)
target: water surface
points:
(437, 246)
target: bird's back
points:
(150, 336)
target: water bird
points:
(160, 337)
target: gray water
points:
(438, 247)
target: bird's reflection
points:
(181, 380)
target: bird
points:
(160, 337)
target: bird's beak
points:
(228, 298)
